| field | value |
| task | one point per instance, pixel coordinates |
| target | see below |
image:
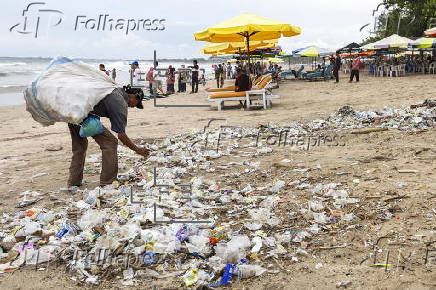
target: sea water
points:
(16, 73)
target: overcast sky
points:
(326, 23)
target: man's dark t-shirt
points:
(114, 107)
(242, 83)
(338, 63)
(195, 71)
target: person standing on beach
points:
(229, 70)
(221, 75)
(217, 75)
(114, 106)
(183, 78)
(114, 74)
(171, 79)
(136, 74)
(224, 71)
(194, 77)
(336, 67)
(150, 79)
(356, 65)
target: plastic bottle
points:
(248, 271)
(67, 228)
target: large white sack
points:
(66, 91)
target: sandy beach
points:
(27, 146)
(36, 158)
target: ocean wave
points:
(11, 73)
(12, 63)
(11, 86)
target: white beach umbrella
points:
(393, 41)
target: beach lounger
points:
(297, 74)
(232, 88)
(324, 75)
(259, 93)
(223, 89)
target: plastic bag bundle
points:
(66, 91)
(91, 127)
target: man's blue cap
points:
(134, 63)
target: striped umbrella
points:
(312, 51)
(430, 32)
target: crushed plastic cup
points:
(45, 218)
(91, 218)
(347, 217)
(191, 277)
(315, 205)
(321, 218)
(270, 202)
(277, 186)
(253, 226)
(257, 241)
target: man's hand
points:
(143, 151)
(127, 142)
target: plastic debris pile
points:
(168, 219)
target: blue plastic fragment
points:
(226, 277)
(149, 257)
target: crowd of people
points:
(155, 78)
(225, 71)
(185, 75)
(413, 63)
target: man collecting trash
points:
(114, 107)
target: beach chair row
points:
(323, 74)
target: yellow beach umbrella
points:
(233, 47)
(247, 26)
(274, 60)
(264, 46)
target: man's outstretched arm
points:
(128, 143)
